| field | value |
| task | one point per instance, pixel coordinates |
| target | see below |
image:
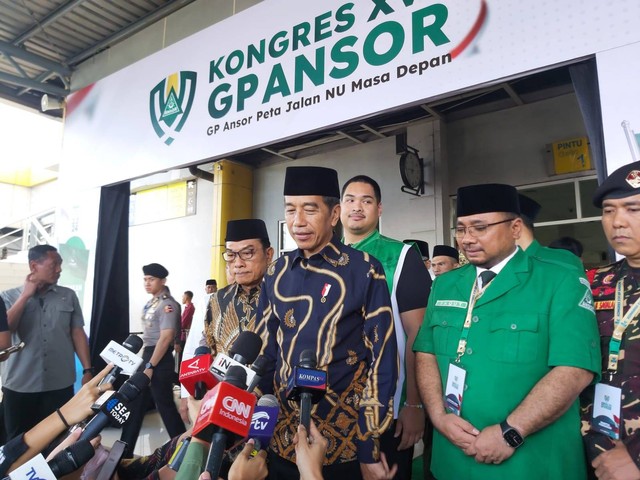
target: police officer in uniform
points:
(161, 321)
(610, 410)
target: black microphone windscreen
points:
(247, 345)
(236, 376)
(202, 350)
(308, 359)
(260, 365)
(72, 458)
(132, 387)
(133, 343)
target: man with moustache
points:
(612, 435)
(510, 341)
(334, 300)
(409, 286)
(232, 309)
(47, 317)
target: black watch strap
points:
(511, 435)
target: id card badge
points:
(606, 410)
(454, 389)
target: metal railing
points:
(37, 229)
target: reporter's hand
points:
(79, 407)
(311, 449)
(246, 467)
(70, 440)
(378, 471)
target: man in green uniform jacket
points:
(529, 210)
(521, 348)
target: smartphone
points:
(12, 349)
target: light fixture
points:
(51, 103)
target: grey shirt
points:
(162, 312)
(47, 361)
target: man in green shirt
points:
(409, 286)
(529, 210)
(510, 340)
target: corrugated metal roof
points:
(41, 41)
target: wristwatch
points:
(149, 366)
(511, 435)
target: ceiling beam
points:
(45, 63)
(350, 137)
(46, 21)
(373, 130)
(132, 29)
(277, 154)
(32, 84)
(431, 111)
(512, 93)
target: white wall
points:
(16, 204)
(403, 216)
(509, 146)
(182, 245)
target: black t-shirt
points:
(414, 284)
(4, 326)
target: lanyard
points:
(476, 293)
(620, 325)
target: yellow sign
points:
(571, 155)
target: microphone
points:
(244, 351)
(306, 385)
(71, 458)
(65, 462)
(115, 411)
(260, 368)
(263, 421)
(246, 347)
(124, 359)
(195, 376)
(226, 409)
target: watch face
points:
(411, 170)
(513, 438)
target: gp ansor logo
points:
(170, 103)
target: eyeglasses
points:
(477, 231)
(230, 256)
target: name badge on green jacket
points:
(451, 303)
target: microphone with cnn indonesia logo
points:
(306, 385)
(225, 413)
